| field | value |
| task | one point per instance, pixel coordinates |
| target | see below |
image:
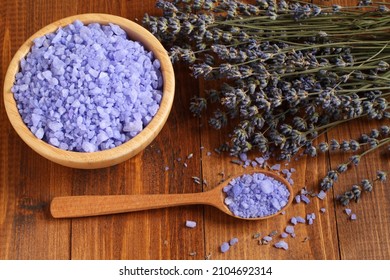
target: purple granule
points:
(353, 216)
(289, 229)
(321, 195)
(267, 238)
(260, 160)
(293, 221)
(305, 199)
(190, 224)
(243, 157)
(297, 198)
(225, 247)
(284, 235)
(310, 218)
(300, 220)
(275, 167)
(322, 210)
(281, 245)
(348, 211)
(87, 88)
(233, 241)
(255, 195)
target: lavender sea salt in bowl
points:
(95, 96)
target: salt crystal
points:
(305, 199)
(289, 229)
(190, 224)
(321, 195)
(275, 167)
(267, 238)
(353, 216)
(293, 221)
(224, 247)
(348, 211)
(323, 210)
(300, 219)
(284, 235)
(233, 241)
(266, 186)
(281, 245)
(297, 198)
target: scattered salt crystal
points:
(353, 216)
(300, 219)
(233, 241)
(321, 195)
(224, 247)
(297, 198)
(190, 224)
(243, 157)
(305, 199)
(275, 167)
(284, 235)
(323, 210)
(260, 160)
(293, 221)
(281, 245)
(267, 238)
(289, 229)
(348, 211)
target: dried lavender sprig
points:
(332, 176)
(365, 186)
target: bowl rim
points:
(109, 157)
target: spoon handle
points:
(94, 205)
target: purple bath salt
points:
(289, 229)
(300, 220)
(87, 88)
(348, 211)
(284, 235)
(225, 247)
(353, 216)
(233, 241)
(281, 245)
(190, 224)
(255, 195)
(294, 221)
(305, 199)
(321, 195)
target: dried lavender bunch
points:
(354, 194)
(286, 78)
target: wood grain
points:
(28, 182)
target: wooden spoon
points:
(94, 205)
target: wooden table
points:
(28, 182)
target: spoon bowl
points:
(94, 205)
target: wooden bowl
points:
(108, 157)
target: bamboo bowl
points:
(99, 159)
